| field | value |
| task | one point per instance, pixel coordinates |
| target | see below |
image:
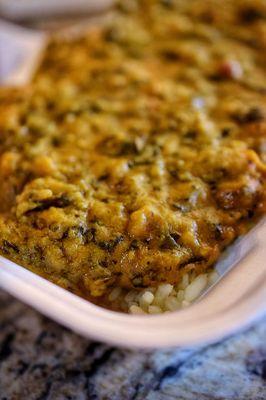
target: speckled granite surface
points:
(41, 360)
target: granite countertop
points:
(41, 360)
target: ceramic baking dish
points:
(234, 302)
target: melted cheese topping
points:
(137, 153)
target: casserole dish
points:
(236, 301)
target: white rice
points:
(165, 297)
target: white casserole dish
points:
(235, 302)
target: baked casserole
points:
(137, 153)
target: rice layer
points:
(165, 297)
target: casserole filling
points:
(136, 155)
